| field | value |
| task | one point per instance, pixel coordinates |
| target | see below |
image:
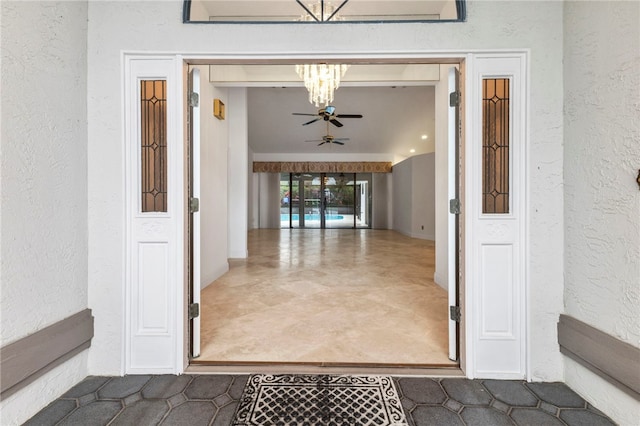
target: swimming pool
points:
(285, 217)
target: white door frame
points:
(473, 337)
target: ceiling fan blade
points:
(338, 142)
(341, 139)
(316, 140)
(303, 113)
(321, 143)
(312, 121)
(349, 115)
(336, 122)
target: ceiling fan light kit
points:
(327, 113)
(329, 139)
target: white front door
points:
(453, 191)
(194, 210)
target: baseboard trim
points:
(217, 273)
(27, 359)
(612, 359)
(441, 280)
(423, 236)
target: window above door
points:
(321, 11)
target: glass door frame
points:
(323, 202)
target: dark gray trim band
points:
(612, 359)
(27, 359)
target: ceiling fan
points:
(330, 139)
(328, 113)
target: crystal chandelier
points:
(321, 80)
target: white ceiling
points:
(394, 119)
(396, 100)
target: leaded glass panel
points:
(495, 145)
(153, 145)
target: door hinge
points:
(194, 310)
(454, 313)
(454, 99)
(194, 205)
(194, 99)
(454, 206)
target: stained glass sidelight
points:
(495, 145)
(153, 152)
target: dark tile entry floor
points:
(213, 399)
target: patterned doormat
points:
(291, 399)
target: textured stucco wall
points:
(44, 183)
(144, 26)
(602, 201)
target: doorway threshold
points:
(209, 367)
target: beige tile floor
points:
(328, 296)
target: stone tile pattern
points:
(457, 401)
(294, 271)
(213, 399)
(147, 400)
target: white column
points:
(238, 172)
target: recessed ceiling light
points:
(412, 151)
(424, 137)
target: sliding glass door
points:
(325, 200)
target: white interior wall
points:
(413, 197)
(238, 177)
(423, 197)
(380, 202)
(139, 26)
(214, 137)
(602, 201)
(390, 198)
(254, 191)
(269, 200)
(401, 198)
(43, 171)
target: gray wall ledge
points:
(612, 359)
(27, 359)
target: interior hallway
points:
(328, 296)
